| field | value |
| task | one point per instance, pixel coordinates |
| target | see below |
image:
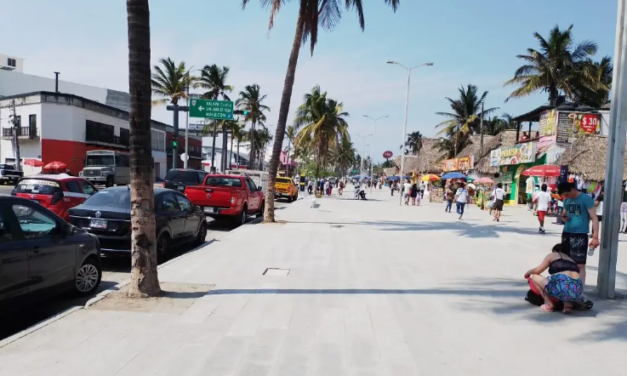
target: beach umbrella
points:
(453, 175)
(430, 177)
(543, 170)
(484, 181)
(55, 167)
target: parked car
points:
(178, 179)
(58, 193)
(107, 214)
(285, 188)
(8, 174)
(232, 197)
(41, 255)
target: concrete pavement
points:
(371, 289)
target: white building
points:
(63, 127)
(11, 63)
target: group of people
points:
(567, 261)
(459, 194)
(413, 192)
(321, 186)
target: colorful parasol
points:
(484, 181)
(543, 170)
(55, 167)
(430, 177)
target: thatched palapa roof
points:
(482, 162)
(587, 157)
(427, 161)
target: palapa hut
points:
(587, 157)
(482, 161)
(427, 161)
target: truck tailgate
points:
(207, 196)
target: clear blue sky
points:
(468, 41)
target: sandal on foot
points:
(546, 308)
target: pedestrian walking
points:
(499, 197)
(449, 196)
(543, 200)
(579, 211)
(340, 189)
(461, 198)
(407, 191)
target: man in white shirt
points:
(542, 199)
(461, 198)
(406, 191)
(499, 197)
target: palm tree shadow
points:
(460, 227)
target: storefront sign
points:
(517, 154)
(571, 124)
(458, 164)
(547, 123)
(495, 157)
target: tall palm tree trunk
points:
(231, 153)
(237, 161)
(288, 86)
(213, 145)
(251, 159)
(144, 278)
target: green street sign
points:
(211, 109)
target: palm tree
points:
(213, 79)
(311, 14)
(239, 135)
(144, 278)
(251, 100)
(170, 82)
(227, 126)
(345, 155)
(603, 71)
(559, 66)
(413, 143)
(465, 116)
(290, 134)
(323, 119)
(259, 140)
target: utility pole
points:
(481, 130)
(175, 108)
(608, 254)
(16, 131)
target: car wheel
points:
(202, 234)
(289, 198)
(109, 182)
(261, 209)
(163, 243)
(243, 216)
(88, 277)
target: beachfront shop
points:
(512, 161)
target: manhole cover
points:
(275, 272)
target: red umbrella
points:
(33, 162)
(544, 170)
(55, 166)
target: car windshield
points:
(99, 160)
(38, 187)
(217, 181)
(117, 198)
(182, 176)
(283, 180)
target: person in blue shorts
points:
(579, 210)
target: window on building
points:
(95, 131)
(11, 62)
(18, 121)
(158, 140)
(32, 124)
(125, 137)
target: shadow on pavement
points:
(613, 312)
(459, 226)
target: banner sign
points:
(495, 157)
(459, 164)
(517, 154)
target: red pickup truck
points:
(231, 197)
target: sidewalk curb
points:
(103, 294)
(38, 326)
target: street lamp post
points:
(400, 202)
(374, 132)
(361, 164)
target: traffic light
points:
(175, 144)
(240, 112)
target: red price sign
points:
(589, 123)
(388, 154)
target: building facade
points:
(63, 127)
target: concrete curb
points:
(38, 326)
(103, 294)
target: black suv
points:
(178, 179)
(41, 255)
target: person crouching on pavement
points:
(564, 282)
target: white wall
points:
(162, 159)
(14, 83)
